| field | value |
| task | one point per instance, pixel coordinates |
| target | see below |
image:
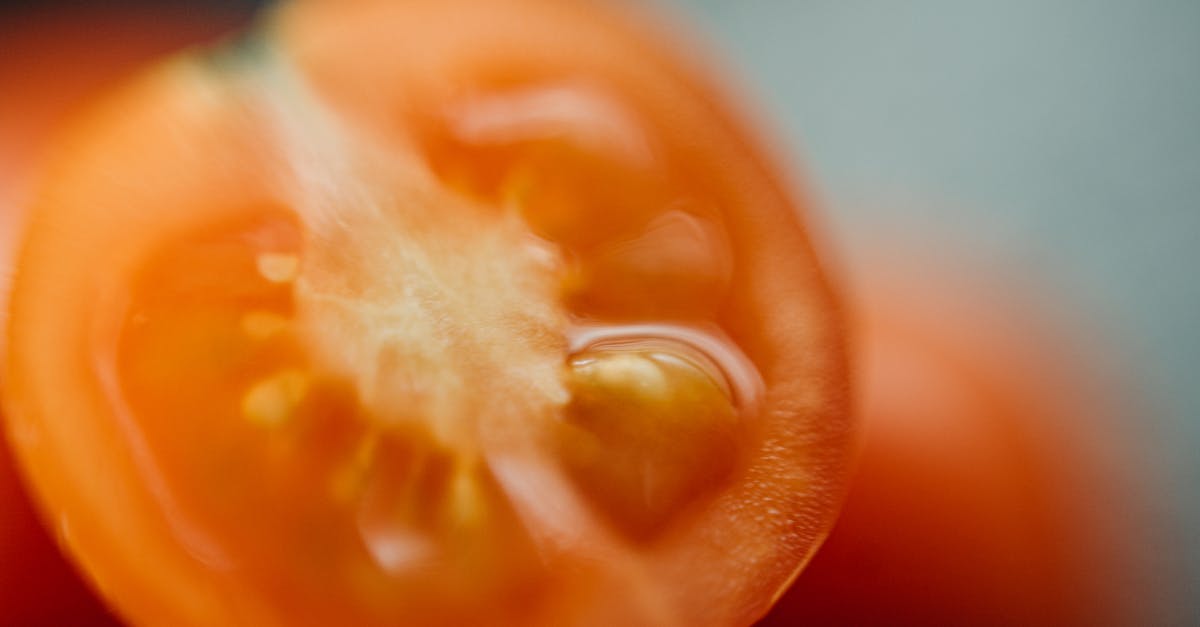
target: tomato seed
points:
(272, 401)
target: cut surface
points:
(516, 344)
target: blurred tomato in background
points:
(990, 468)
(54, 56)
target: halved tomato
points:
(442, 312)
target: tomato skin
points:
(986, 480)
(54, 59)
(37, 586)
(149, 544)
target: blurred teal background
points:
(1056, 141)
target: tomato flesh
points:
(544, 348)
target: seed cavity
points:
(650, 429)
(272, 401)
(278, 267)
(679, 261)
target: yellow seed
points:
(633, 375)
(272, 401)
(278, 267)
(649, 430)
(262, 325)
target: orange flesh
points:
(498, 368)
(336, 370)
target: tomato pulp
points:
(470, 311)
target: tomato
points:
(442, 312)
(51, 61)
(984, 495)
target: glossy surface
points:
(384, 331)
